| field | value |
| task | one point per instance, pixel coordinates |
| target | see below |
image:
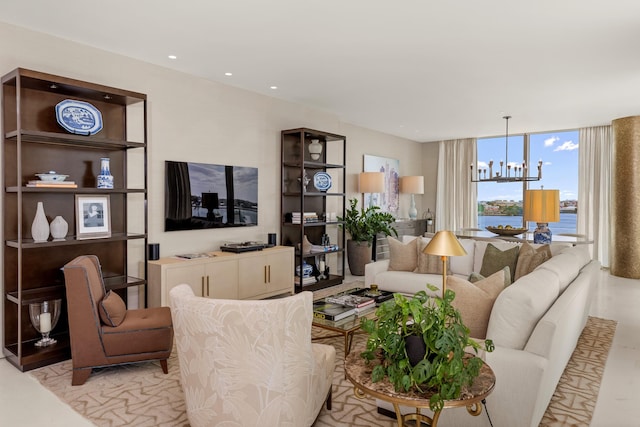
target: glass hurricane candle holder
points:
(44, 317)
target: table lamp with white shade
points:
(371, 183)
(444, 244)
(412, 185)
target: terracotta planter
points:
(358, 254)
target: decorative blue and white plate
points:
(322, 181)
(78, 117)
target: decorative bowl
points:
(507, 231)
(52, 176)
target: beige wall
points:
(192, 119)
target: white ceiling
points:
(422, 69)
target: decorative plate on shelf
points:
(507, 231)
(322, 181)
(78, 117)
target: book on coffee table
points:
(351, 300)
(323, 309)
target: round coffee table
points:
(359, 373)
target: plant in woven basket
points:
(444, 369)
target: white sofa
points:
(534, 323)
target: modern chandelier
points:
(513, 172)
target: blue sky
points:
(558, 152)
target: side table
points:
(359, 373)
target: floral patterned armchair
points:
(250, 363)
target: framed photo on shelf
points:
(93, 217)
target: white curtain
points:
(457, 197)
(594, 188)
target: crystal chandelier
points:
(513, 172)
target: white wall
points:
(192, 119)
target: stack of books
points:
(323, 309)
(52, 184)
(303, 217)
(358, 302)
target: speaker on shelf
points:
(272, 239)
(154, 251)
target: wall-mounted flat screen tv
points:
(199, 195)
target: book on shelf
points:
(52, 184)
(302, 217)
(323, 249)
(309, 280)
(323, 309)
(351, 300)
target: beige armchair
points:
(130, 336)
(250, 363)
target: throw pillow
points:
(476, 277)
(495, 260)
(429, 264)
(402, 257)
(474, 301)
(529, 258)
(112, 309)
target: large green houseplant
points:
(363, 225)
(444, 368)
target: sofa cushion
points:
(475, 300)
(112, 309)
(463, 265)
(402, 256)
(495, 260)
(428, 264)
(520, 306)
(566, 266)
(481, 247)
(408, 282)
(529, 258)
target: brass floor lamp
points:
(444, 244)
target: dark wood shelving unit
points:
(296, 161)
(35, 143)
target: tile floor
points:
(23, 402)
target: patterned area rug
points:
(141, 395)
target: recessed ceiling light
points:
(173, 57)
(274, 87)
(228, 74)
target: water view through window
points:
(501, 204)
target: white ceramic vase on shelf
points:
(59, 228)
(40, 225)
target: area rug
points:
(141, 395)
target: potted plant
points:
(363, 225)
(444, 368)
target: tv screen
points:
(199, 195)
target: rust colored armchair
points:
(102, 331)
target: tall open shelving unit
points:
(327, 205)
(33, 142)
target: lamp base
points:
(542, 234)
(413, 212)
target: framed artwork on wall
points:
(388, 201)
(93, 217)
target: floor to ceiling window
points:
(501, 203)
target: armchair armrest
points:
(372, 269)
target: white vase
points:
(40, 225)
(59, 228)
(105, 179)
